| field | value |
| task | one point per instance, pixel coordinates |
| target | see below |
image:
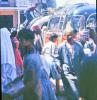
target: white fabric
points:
(50, 52)
(7, 54)
(87, 51)
(7, 58)
(88, 45)
(50, 49)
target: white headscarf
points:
(7, 54)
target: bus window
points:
(53, 23)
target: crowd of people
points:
(74, 61)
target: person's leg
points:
(68, 91)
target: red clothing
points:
(18, 58)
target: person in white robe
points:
(8, 67)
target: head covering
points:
(7, 54)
